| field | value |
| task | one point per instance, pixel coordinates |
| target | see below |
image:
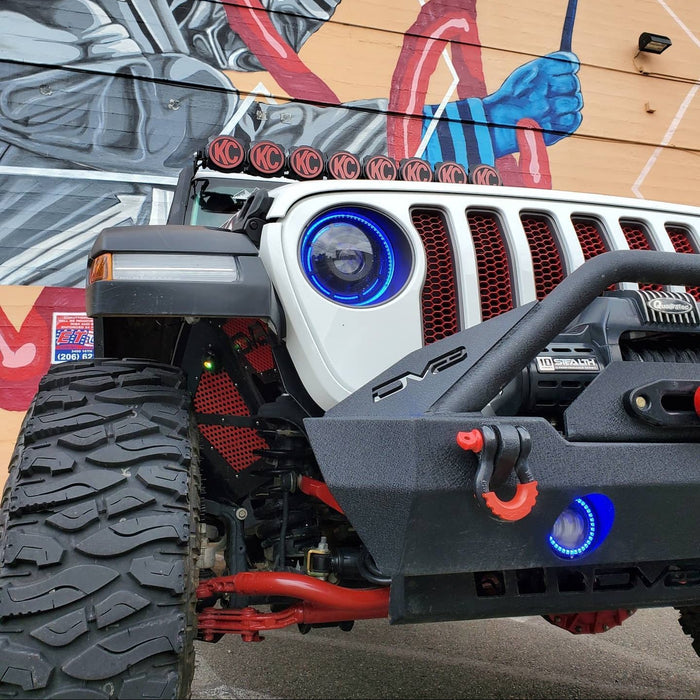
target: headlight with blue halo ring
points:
(355, 256)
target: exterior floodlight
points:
(653, 43)
(582, 526)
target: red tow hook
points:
(696, 401)
(512, 444)
(317, 602)
(317, 489)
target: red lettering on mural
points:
(226, 153)
(344, 166)
(267, 158)
(306, 162)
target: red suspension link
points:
(319, 602)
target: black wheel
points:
(690, 622)
(99, 537)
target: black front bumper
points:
(408, 489)
(390, 457)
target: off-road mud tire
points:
(98, 537)
(690, 623)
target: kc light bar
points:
(268, 159)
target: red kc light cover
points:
(306, 162)
(344, 166)
(380, 168)
(225, 153)
(450, 173)
(266, 158)
(415, 170)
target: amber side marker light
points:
(101, 268)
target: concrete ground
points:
(647, 657)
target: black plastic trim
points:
(171, 239)
(250, 296)
(561, 590)
(178, 208)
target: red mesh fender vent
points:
(216, 394)
(546, 258)
(439, 295)
(252, 334)
(637, 238)
(495, 284)
(680, 237)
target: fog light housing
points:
(582, 526)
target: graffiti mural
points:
(29, 330)
(103, 101)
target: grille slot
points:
(590, 236)
(680, 237)
(637, 238)
(495, 282)
(546, 257)
(439, 294)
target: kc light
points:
(582, 526)
(164, 267)
(355, 257)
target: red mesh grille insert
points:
(216, 394)
(259, 353)
(495, 285)
(590, 236)
(638, 239)
(680, 237)
(439, 295)
(546, 259)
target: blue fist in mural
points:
(546, 90)
(480, 130)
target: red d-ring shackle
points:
(485, 443)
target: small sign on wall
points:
(72, 337)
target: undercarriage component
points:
(321, 602)
(591, 622)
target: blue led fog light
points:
(355, 256)
(582, 526)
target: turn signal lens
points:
(101, 268)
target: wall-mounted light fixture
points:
(653, 43)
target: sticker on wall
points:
(72, 337)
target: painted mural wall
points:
(103, 101)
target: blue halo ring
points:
(582, 507)
(382, 245)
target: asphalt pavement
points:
(647, 657)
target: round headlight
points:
(355, 257)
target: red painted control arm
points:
(320, 602)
